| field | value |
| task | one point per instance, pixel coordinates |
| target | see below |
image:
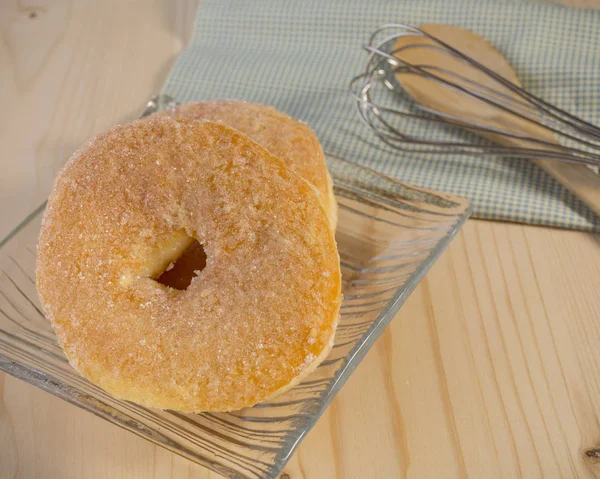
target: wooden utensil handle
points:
(578, 179)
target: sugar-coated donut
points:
(261, 314)
(292, 141)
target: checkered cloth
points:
(300, 56)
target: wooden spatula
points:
(579, 179)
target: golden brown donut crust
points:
(250, 324)
(292, 141)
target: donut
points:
(253, 322)
(288, 139)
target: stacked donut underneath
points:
(288, 139)
(254, 318)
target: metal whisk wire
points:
(386, 114)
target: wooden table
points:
(491, 369)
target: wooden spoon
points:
(579, 179)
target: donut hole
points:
(180, 273)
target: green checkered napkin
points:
(299, 56)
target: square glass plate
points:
(389, 234)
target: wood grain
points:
(66, 75)
(490, 370)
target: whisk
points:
(415, 80)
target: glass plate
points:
(389, 234)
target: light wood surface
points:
(490, 370)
